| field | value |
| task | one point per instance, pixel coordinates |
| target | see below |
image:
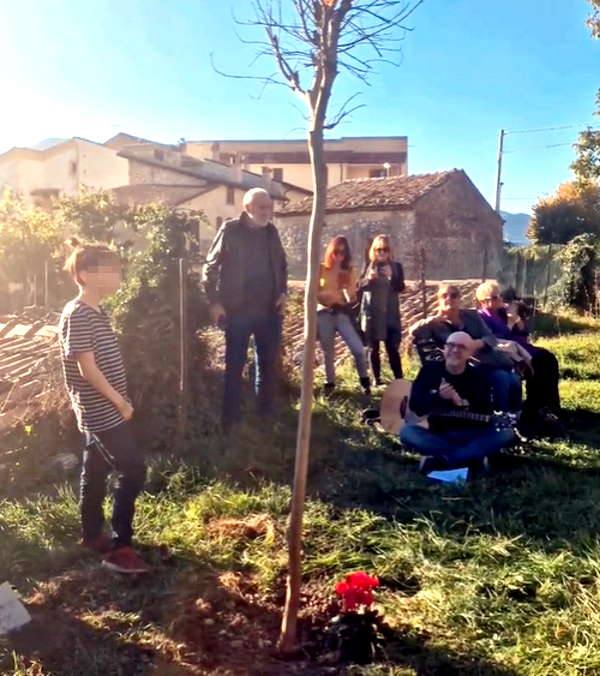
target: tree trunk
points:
(287, 640)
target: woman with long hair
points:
(337, 294)
(381, 282)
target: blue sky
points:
(468, 68)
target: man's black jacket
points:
(223, 272)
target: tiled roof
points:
(148, 193)
(393, 192)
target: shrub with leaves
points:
(29, 237)
(146, 316)
(575, 287)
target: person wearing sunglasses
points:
(430, 336)
(336, 297)
(381, 282)
(457, 396)
(541, 410)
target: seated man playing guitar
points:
(456, 396)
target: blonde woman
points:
(381, 282)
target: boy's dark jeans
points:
(113, 450)
(267, 337)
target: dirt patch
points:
(253, 526)
(172, 623)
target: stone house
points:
(440, 225)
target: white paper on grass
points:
(13, 613)
(450, 476)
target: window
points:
(227, 158)
(159, 155)
(278, 174)
(377, 173)
(219, 222)
(73, 167)
(230, 198)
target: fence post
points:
(423, 284)
(46, 284)
(548, 265)
(183, 355)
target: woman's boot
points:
(365, 383)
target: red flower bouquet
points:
(356, 631)
(355, 590)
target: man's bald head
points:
(258, 205)
(458, 349)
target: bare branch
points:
(268, 79)
(343, 112)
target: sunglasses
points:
(490, 298)
(383, 249)
(340, 252)
(451, 294)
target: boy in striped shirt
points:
(97, 386)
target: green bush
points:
(575, 287)
(146, 316)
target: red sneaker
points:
(101, 544)
(125, 560)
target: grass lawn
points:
(501, 576)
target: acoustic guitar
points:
(395, 412)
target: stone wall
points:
(459, 232)
(453, 226)
(358, 227)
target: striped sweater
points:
(83, 329)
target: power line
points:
(547, 145)
(534, 131)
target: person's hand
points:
(125, 409)
(446, 391)
(512, 314)
(387, 271)
(281, 303)
(217, 313)
(372, 273)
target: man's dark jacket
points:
(223, 273)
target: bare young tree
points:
(311, 41)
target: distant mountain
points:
(48, 143)
(515, 227)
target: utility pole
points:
(499, 174)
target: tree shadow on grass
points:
(28, 561)
(412, 650)
(181, 620)
(190, 620)
(547, 490)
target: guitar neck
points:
(462, 415)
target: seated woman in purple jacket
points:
(543, 401)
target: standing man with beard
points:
(245, 280)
